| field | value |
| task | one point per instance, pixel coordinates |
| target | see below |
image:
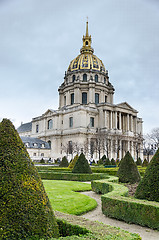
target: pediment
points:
(125, 105)
(49, 112)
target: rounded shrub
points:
(149, 185)
(25, 210)
(64, 162)
(82, 165)
(128, 172)
(73, 162)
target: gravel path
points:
(97, 215)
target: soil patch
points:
(132, 188)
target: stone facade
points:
(87, 119)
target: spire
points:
(87, 42)
(87, 28)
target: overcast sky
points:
(38, 39)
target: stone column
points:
(115, 119)
(105, 117)
(128, 144)
(127, 122)
(131, 123)
(119, 120)
(110, 119)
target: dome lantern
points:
(87, 42)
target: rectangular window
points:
(71, 122)
(37, 128)
(72, 98)
(91, 121)
(105, 99)
(84, 98)
(70, 147)
(64, 100)
(96, 98)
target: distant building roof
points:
(26, 127)
(35, 143)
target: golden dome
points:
(86, 60)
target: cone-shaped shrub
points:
(73, 162)
(107, 162)
(64, 162)
(113, 162)
(139, 162)
(128, 171)
(82, 165)
(25, 210)
(148, 188)
(145, 163)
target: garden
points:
(27, 203)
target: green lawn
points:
(65, 197)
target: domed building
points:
(87, 119)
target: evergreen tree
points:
(107, 162)
(82, 165)
(64, 162)
(148, 188)
(139, 162)
(128, 172)
(113, 162)
(145, 163)
(73, 162)
(25, 210)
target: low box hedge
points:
(72, 176)
(87, 229)
(115, 204)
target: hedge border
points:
(116, 204)
(72, 176)
(95, 231)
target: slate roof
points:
(35, 143)
(26, 127)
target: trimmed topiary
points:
(107, 162)
(113, 162)
(128, 172)
(73, 162)
(25, 210)
(139, 162)
(145, 163)
(82, 165)
(64, 162)
(149, 185)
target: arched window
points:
(104, 80)
(96, 78)
(49, 124)
(49, 142)
(73, 78)
(84, 77)
(84, 98)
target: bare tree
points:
(138, 144)
(154, 137)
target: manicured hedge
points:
(95, 230)
(115, 204)
(72, 176)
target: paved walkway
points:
(97, 215)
